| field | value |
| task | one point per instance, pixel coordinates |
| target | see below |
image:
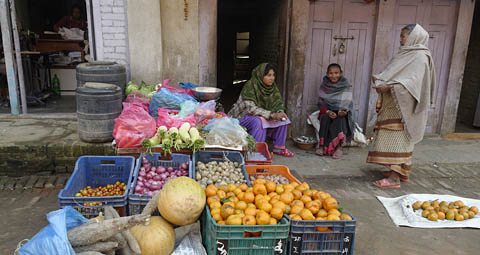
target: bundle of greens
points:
(186, 137)
(146, 89)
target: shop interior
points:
(49, 55)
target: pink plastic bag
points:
(206, 111)
(175, 89)
(136, 98)
(164, 118)
(133, 125)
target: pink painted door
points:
(336, 24)
(438, 17)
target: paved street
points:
(349, 180)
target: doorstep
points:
(43, 146)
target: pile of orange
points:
(266, 202)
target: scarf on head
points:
(336, 96)
(412, 68)
(264, 96)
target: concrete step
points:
(33, 182)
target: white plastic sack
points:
(71, 33)
(189, 240)
(226, 132)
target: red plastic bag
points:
(175, 89)
(132, 126)
(136, 98)
(164, 118)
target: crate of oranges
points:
(241, 219)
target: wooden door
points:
(438, 17)
(333, 22)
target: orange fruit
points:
(319, 203)
(237, 191)
(330, 203)
(215, 211)
(267, 197)
(222, 222)
(259, 189)
(286, 197)
(322, 213)
(297, 194)
(224, 187)
(287, 209)
(249, 220)
(295, 184)
(345, 216)
(474, 209)
(308, 192)
(234, 199)
(230, 194)
(215, 204)
(334, 212)
(231, 187)
(243, 187)
(271, 186)
(302, 187)
(297, 203)
(249, 197)
(217, 217)
(458, 203)
(259, 181)
(276, 197)
(273, 221)
(231, 203)
(296, 209)
(276, 213)
(212, 199)
(258, 197)
(305, 199)
(333, 217)
(279, 189)
(238, 211)
(267, 207)
(259, 202)
(288, 187)
(251, 205)
(295, 217)
(249, 189)
(322, 195)
(250, 211)
(221, 194)
(441, 215)
(321, 218)
(241, 205)
(211, 190)
(313, 208)
(272, 194)
(459, 217)
(234, 220)
(280, 205)
(241, 196)
(274, 200)
(262, 218)
(306, 214)
(226, 211)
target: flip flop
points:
(284, 152)
(337, 154)
(385, 184)
(319, 152)
(402, 178)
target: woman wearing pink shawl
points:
(406, 90)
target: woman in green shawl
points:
(260, 109)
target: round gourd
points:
(181, 201)
(155, 237)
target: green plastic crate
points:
(232, 240)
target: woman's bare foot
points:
(392, 182)
(319, 151)
(338, 153)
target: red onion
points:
(153, 169)
(160, 170)
(149, 175)
(140, 184)
(138, 189)
(142, 173)
(163, 176)
(155, 187)
(183, 166)
(150, 193)
(170, 169)
(140, 179)
(157, 178)
(147, 185)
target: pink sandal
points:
(284, 152)
(402, 177)
(337, 154)
(385, 184)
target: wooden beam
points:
(457, 66)
(18, 56)
(381, 53)
(9, 59)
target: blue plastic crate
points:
(98, 171)
(208, 156)
(322, 237)
(137, 202)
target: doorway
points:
(340, 32)
(249, 33)
(468, 116)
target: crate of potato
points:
(96, 182)
(276, 173)
(241, 220)
(317, 225)
(219, 167)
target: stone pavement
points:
(440, 167)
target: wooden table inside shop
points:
(55, 45)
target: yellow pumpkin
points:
(155, 237)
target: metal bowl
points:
(206, 93)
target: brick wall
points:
(110, 19)
(471, 80)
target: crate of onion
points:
(150, 175)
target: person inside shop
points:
(406, 89)
(74, 21)
(335, 105)
(261, 111)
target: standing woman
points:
(260, 109)
(406, 90)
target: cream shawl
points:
(412, 74)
